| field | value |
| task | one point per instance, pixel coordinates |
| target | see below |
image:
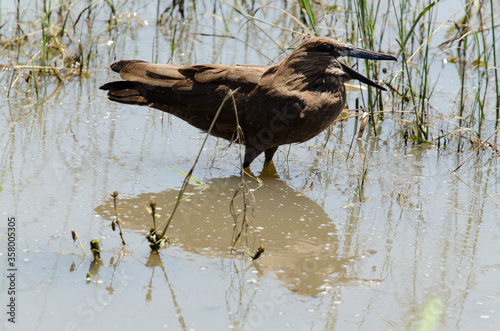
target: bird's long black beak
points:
(352, 51)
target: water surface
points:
(361, 234)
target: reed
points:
(361, 180)
(116, 221)
(156, 239)
(495, 66)
(305, 6)
(75, 237)
(370, 32)
(59, 40)
(55, 40)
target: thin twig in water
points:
(117, 221)
(243, 185)
(75, 236)
(189, 174)
(475, 150)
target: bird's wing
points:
(224, 74)
(193, 93)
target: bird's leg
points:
(250, 154)
(270, 153)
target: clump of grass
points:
(415, 29)
(370, 32)
(415, 81)
(155, 238)
(55, 40)
(475, 57)
(96, 262)
(95, 248)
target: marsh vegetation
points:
(389, 205)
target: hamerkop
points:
(289, 102)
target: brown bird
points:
(286, 103)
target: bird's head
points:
(318, 57)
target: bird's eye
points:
(327, 48)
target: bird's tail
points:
(126, 92)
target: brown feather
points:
(289, 102)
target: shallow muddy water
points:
(361, 234)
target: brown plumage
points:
(289, 102)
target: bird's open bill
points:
(361, 53)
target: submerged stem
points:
(189, 174)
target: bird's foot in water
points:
(268, 171)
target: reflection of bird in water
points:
(289, 102)
(300, 239)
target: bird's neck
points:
(301, 73)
